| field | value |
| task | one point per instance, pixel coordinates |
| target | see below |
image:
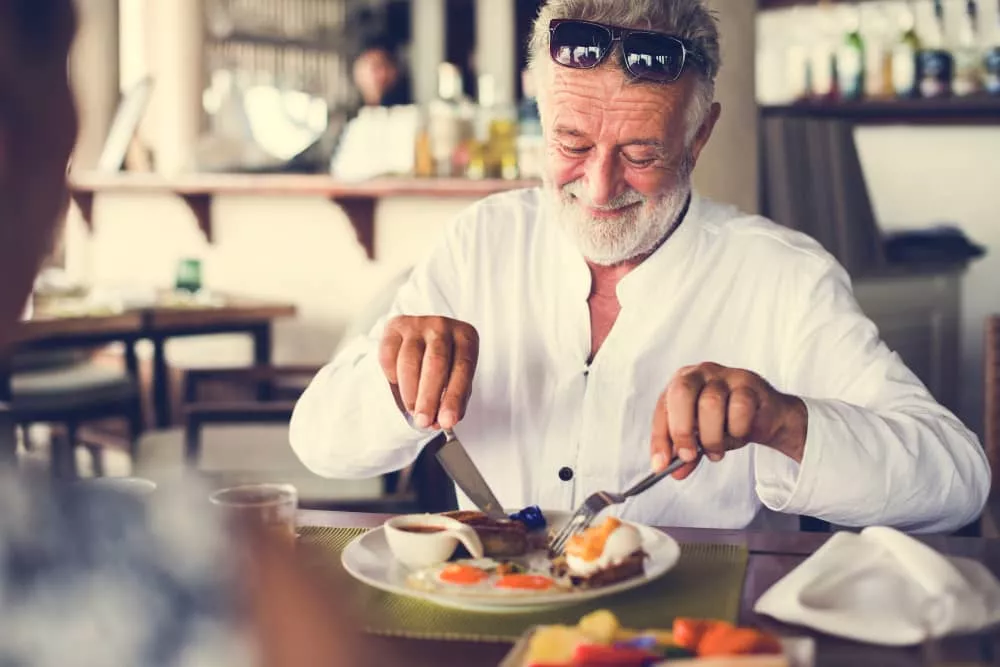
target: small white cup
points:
(416, 550)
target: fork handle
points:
(653, 478)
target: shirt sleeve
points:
(879, 449)
(347, 424)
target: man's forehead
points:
(580, 98)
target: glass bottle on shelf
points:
(822, 67)
(444, 120)
(423, 161)
(905, 73)
(937, 66)
(851, 60)
(991, 63)
(503, 140)
(879, 41)
(968, 56)
(480, 163)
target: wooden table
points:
(772, 555)
(156, 323)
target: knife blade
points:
(456, 462)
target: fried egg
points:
(480, 578)
(601, 547)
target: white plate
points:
(368, 559)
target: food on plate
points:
(483, 577)
(531, 517)
(602, 555)
(718, 638)
(501, 538)
(599, 639)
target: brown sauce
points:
(421, 529)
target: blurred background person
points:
(94, 576)
(378, 75)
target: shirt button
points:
(565, 473)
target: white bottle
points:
(968, 54)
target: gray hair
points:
(689, 20)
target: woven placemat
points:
(705, 583)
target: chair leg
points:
(61, 444)
(135, 428)
(71, 471)
(96, 459)
(26, 436)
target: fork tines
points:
(580, 521)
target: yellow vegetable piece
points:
(600, 626)
(554, 644)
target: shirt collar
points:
(667, 263)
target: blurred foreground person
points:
(94, 576)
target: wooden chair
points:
(245, 440)
(67, 389)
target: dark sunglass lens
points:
(579, 45)
(654, 57)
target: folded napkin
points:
(884, 587)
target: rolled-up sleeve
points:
(879, 449)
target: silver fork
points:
(601, 500)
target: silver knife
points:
(456, 462)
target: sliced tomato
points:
(688, 632)
(737, 641)
(599, 655)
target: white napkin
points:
(884, 587)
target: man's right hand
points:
(430, 362)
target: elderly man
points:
(577, 335)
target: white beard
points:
(611, 241)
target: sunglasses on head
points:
(646, 55)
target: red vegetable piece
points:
(737, 641)
(599, 655)
(688, 632)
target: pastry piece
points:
(501, 539)
(602, 555)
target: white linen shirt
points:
(729, 288)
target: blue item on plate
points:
(531, 517)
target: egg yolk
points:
(529, 582)
(589, 545)
(463, 575)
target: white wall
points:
(727, 169)
(302, 250)
(918, 177)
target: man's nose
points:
(604, 179)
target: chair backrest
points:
(992, 376)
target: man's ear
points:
(705, 131)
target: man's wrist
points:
(790, 438)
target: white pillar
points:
(496, 46)
(727, 169)
(428, 17)
(94, 73)
(177, 35)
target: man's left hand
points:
(710, 409)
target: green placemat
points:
(706, 583)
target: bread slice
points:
(631, 567)
(501, 538)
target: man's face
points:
(37, 132)
(618, 162)
(375, 74)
